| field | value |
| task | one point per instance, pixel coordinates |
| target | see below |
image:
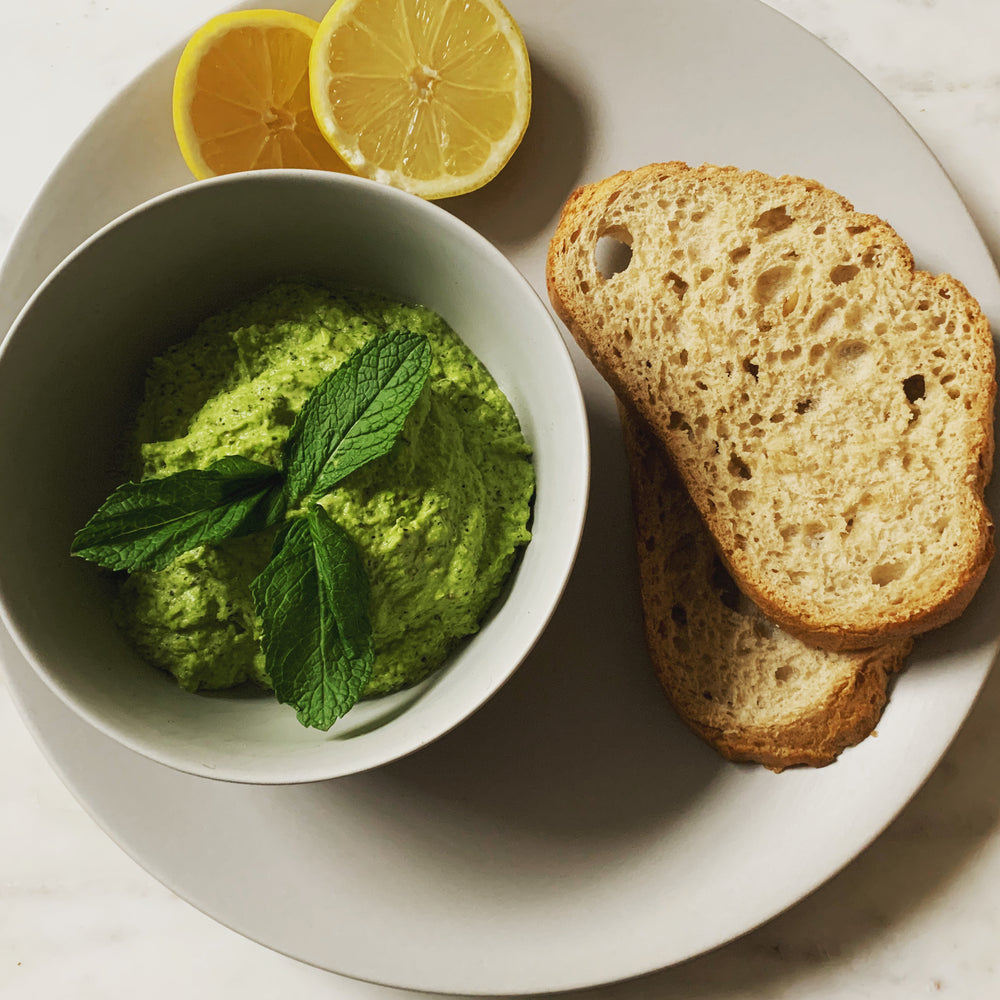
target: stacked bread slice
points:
(827, 412)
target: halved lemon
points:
(241, 96)
(432, 96)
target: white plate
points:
(572, 832)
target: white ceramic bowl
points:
(77, 353)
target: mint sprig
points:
(147, 525)
(312, 597)
(355, 417)
(313, 601)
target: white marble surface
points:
(918, 914)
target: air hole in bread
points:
(613, 253)
(819, 230)
(776, 418)
(737, 467)
(887, 573)
(722, 583)
(773, 221)
(678, 614)
(675, 282)
(815, 534)
(750, 367)
(740, 499)
(678, 422)
(914, 388)
(816, 352)
(827, 314)
(784, 673)
(851, 350)
(740, 253)
(843, 273)
(803, 406)
(851, 361)
(855, 230)
(771, 283)
(870, 257)
(706, 273)
(788, 306)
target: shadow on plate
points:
(522, 201)
(930, 842)
(581, 744)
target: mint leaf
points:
(355, 414)
(312, 598)
(146, 525)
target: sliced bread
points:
(750, 690)
(828, 407)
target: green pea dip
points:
(439, 520)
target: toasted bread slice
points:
(750, 690)
(829, 408)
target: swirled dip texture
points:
(439, 520)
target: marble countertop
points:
(917, 914)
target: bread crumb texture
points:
(746, 687)
(828, 407)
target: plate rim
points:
(44, 742)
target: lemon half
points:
(241, 96)
(431, 96)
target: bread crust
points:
(752, 692)
(744, 289)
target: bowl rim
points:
(311, 763)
